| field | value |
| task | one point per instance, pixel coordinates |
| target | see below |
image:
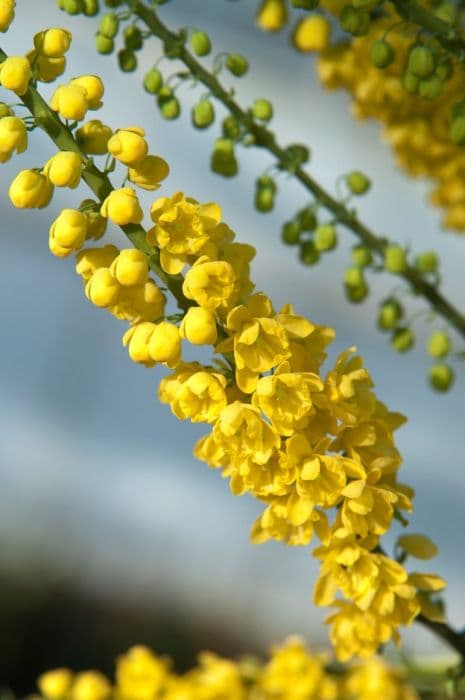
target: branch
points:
(264, 138)
(454, 639)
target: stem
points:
(264, 138)
(454, 639)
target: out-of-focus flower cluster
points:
(291, 673)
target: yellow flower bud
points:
(13, 137)
(91, 685)
(30, 190)
(52, 43)
(128, 145)
(15, 74)
(91, 259)
(312, 33)
(7, 13)
(96, 224)
(68, 232)
(64, 169)
(149, 172)
(130, 268)
(122, 207)
(92, 137)
(93, 86)
(165, 344)
(272, 15)
(102, 289)
(50, 68)
(199, 326)
(70, 101)
(56, 684)
(209, 283)
(136, 339)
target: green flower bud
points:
(357, 182)
(133, 38)
(441, 376)
(354, 20)
(104, 44)
(223, 160)
(355, 285)
(237, 65)
(153, 81)
(307, 219)
(265, 193)
(361, 255)
(308, 253)
(5, 111)
(427, 262)
(113, 3)
(390, 313)
(168, 103)
(91, 8)
(200, 43)
(382, 54)
(231, 128)
(109, 25)
(298, 153)
(305, 4)
(444, 69)
(421, 61)
(402, 339)
(290, 233)
(431, 88)
(410, 83)
(438, 344)
(395, 259)
(265, 182)
(203, 114)
(73, 7)
(127, 60)
(262, 110)
(457, 130)
(325, 237)
(447, 12)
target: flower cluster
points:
(317, 449)
(291, 673)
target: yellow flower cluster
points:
(291, 673)
(317, 450)
(418, 129)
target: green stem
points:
(264, 138)
(454, 639)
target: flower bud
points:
(298, 153)
(15, 74)
(68, 232)
(56, 684)
(7, 14)
(357, 182)
(72, 7)
(231, 128)
(153, 81)
(48, 69)
(355, 285)
(122, 207)
(203, 114)
(223, 160)
(410, 83)
(30, 190)
(457, 130)
(427, 262)
(441, 376)
(165, 344)
(13, 137)
(382, 54)
(325, 237)
(70, 101)
(102, 289)
(93, 136)
(104, 44)
(149, 172)
(109, 25)
(91, 259)
(127, 60)
(390, 313)
(403, 339)
(431, 88)
(199, 326)
(312, 34)
(64, 169)
(53, 43)
(200, 43)
(395, 259)
(94, 88)
(91, 8)
(290, 233)
(237, 65)
(262, 110)
(168, 103)
(133, 38)
(91, 685)
(128, 145)
(130, 268)
(421, 61)
(354, 20)
(438, 344)
(307, 219)
(265, 194)
(361, 255)
(308, 253)
(272, 15)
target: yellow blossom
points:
(102, 289)
(48, 69)
(93, 136)
(94, 88)
(56, 684)
(140, 675)
(374, 679)
(348, 387)
(70, 101)
(198, 396)
(128, 145)
(149, 172)
(91, 259)
(64, 169)
(284, 520)
(122, 207)
(130, 268)
(7, 13)
(209, 283)
(355, 632)
(52, 43)
(272, 15)
(312, 33)
(30, 190)
(13, 137)
(199, 326)
(90, 685)
(68, 232)
(15, 74)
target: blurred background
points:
(111, 533)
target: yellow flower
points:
(64, 169)
(102, 289)
(272, 15)
(144, 303)
(198, 396)
(30, 190)
(199, 326)
(13, 137)
(348, 387)
(209, 283)
(307, 341)
(91, 685)
(70, 101)
(355, 632)
(48, 69)
(149, 172)
(217, 678)
(374, 679)
(93, 136)
(140, 675)
(130, 268)
(181, 228)
(312, 33)
(284, 520)
(68, 232)
(7, 13)
(128, 145)
(15, 74)
(418, 546)
(56, 684)
(52, 43)
(122, 207)
(94, 88)
(91, 259)
(137, 339)
(369, 504)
